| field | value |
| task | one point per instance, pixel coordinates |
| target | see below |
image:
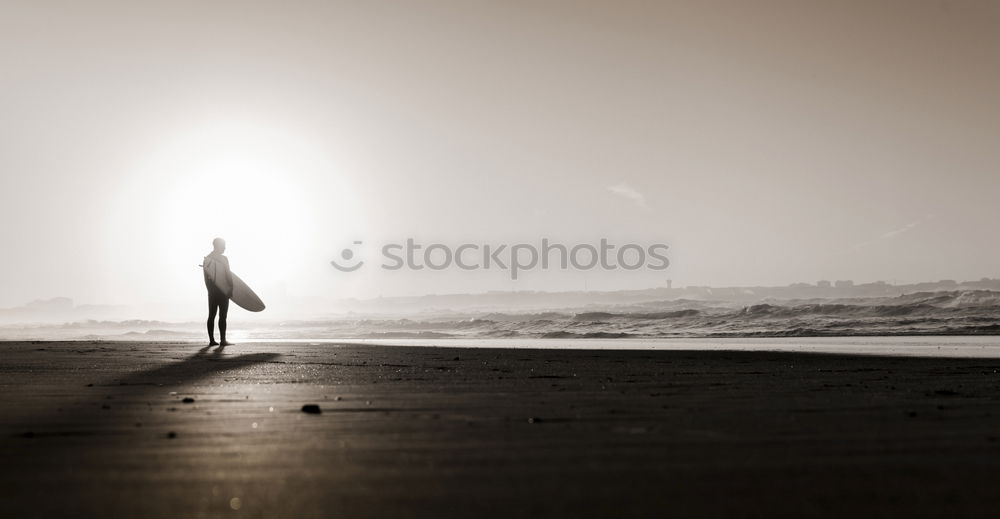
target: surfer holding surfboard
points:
(219, 282)
(222, 286)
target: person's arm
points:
(206, 264)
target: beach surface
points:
(178, 430)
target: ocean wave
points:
(924, 313)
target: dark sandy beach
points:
(102, 429)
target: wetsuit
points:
(216, 266)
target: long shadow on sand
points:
(82, 418)
(200, 365)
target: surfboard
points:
(243, 295)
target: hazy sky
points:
(764, 142)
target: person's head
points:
(219, 245)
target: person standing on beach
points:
(219, 282)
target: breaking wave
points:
(969, 312)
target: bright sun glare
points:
(241, 186)
(244, 183)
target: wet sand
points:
(102, 429)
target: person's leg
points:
(213, 306)
(223, 312)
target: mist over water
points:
(968, 312)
